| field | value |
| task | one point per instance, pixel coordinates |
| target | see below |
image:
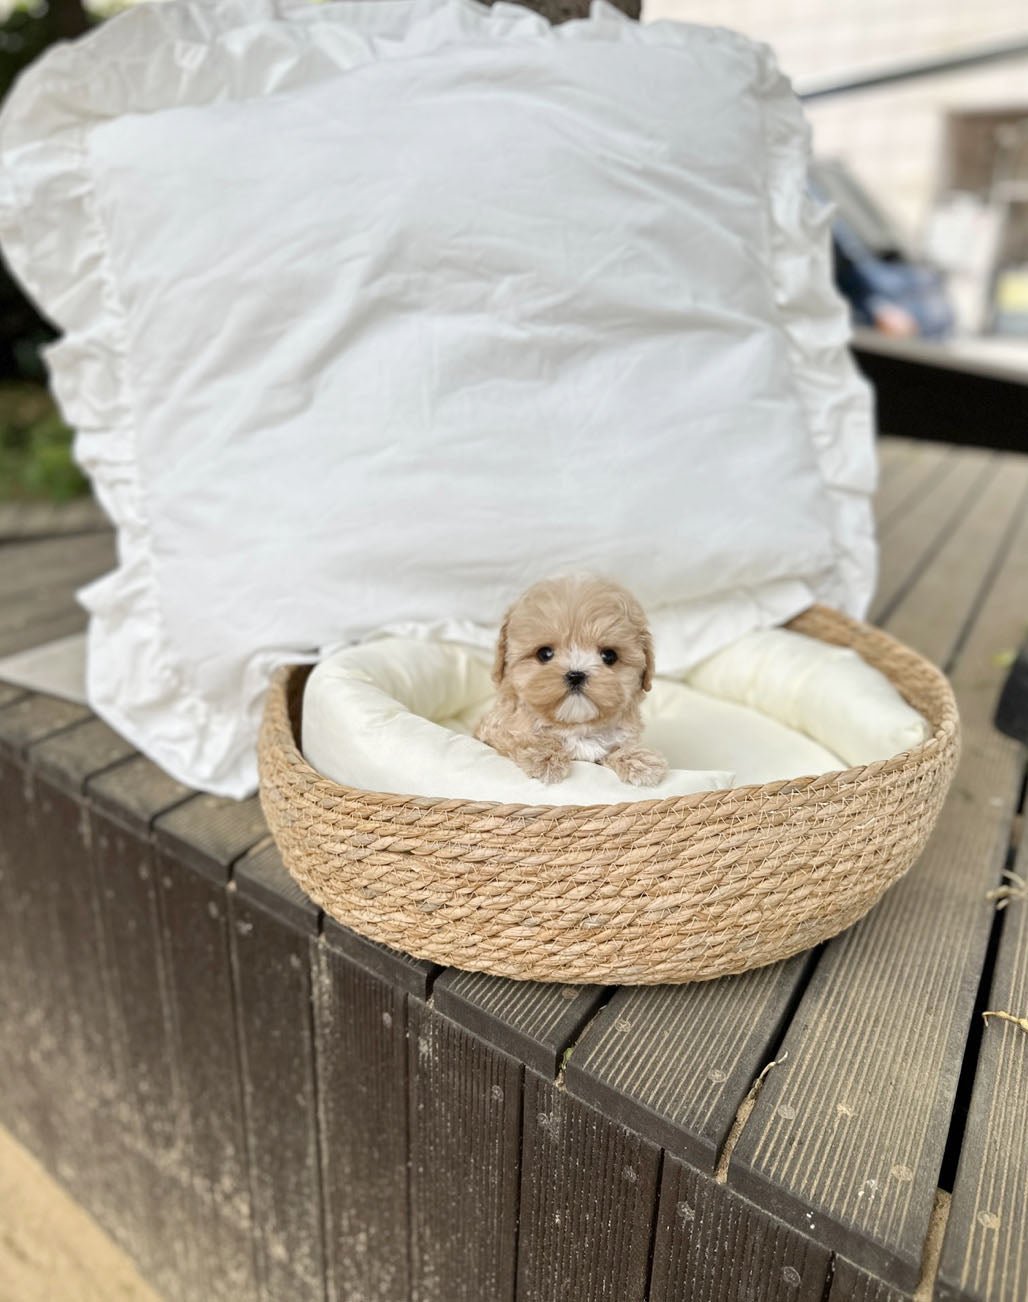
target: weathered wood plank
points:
(588, 1202)
(76, 1069)
(414, 975)
(675, 1062)
(46, 628)
(38, 582)
(532, 1021)
(35, 717)
(33, 565)
(197, 843)
(209, 833)
(918, 531)
(136, 792)
(32, 990)
(361, 1057)
(155, 1220)
(36, 520)
(850, 1284)
(465, 1123)
(985, 1251)
(712, 1246)
(25, 990)
(272, 924)
(905, 476)
(79, 753)
(852, 1128)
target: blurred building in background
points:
(944, 157)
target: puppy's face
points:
(575, 651)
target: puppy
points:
(574, 658)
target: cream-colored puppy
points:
(574, 658)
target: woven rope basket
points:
(655, 891)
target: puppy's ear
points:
(647, 674)
(500, 663)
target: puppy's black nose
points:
(575, 677)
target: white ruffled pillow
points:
(375, 312)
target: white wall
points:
(890, 137)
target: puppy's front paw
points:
(635, 764)
(547, 766)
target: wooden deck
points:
(259, 1104)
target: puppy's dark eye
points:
(544, 654)
(609, 656)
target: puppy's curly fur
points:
(573, 660)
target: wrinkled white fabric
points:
(827, 692)
(396, 715)
(376, 312)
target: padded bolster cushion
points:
(395, 715)
(826, 692)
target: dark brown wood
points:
(465, 1124)
(136, 792)
(9, 693)
(79, 753)
(38, 582)
(197, 843)
(712, 1246)
(985, 1251)
(46, 628)
(559, 11)
(850, 1284)
(209, 833)
(411, 974)
(155, 1221)
(675, 1062)
(272, 925)
(26, 1043)
(69, 979)
(850, 1132)
(361, 1052)
(588, 1202)
(34, 718)
(532, 1021)
(41, 564)
(37, 1000)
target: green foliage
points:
(35, 448)
(27, 27)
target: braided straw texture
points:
(655, 891)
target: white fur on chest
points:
(593, 746)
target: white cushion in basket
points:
(376, 312)
(395, 714)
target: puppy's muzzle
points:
(575, 678)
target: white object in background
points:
(963, 238)
(376, 312)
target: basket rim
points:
(944, 731)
